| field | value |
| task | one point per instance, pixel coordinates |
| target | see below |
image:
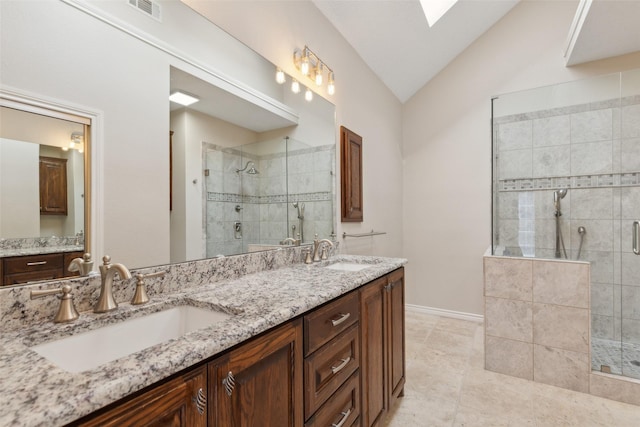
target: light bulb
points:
(319, 74)
(331, 87)
(280, 77)
(304, 65)
(308, 95)
(65, 148)
(72, 144)
(295, 86)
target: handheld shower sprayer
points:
(557, 196)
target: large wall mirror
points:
(247, 166)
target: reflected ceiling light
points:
(280, 77)
(295, 86)
(313, 67)
(183, 98)
(308, 95)
(76, 142)
(435, 9)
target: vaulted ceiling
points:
(394, 39)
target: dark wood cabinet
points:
(180, 402)
(53, 186)
(351, 176)
(260, 384)
(332, 363)
(32, 268)
(382, 345)
(340, 364)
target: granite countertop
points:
(35, 392)
(39, 250)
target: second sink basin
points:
(88, 350)
(348, 266)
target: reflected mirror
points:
(42, 195)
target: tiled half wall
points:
(537, 325)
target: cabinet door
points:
(180, 402)
(351, 175)
(395, 325)
(372, 352)
(53, 186)
(259, 384)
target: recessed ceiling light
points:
(435, 9)
(183, 98)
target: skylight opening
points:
(435, 9)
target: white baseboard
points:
(445, 313)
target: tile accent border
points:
(558, 352)
(614, 180)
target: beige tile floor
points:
(448, 386)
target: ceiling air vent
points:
(147, 7)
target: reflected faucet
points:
(106, 302)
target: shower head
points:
(557, 196)
(252, 170)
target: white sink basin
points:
(347, 266)
(88, 350)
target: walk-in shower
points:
(566, 185)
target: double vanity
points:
(256, 339)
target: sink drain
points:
(635, 362)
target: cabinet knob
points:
(229, 383)
(201, 401)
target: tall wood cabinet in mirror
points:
(351, 175)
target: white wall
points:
(363, 104)
(447, 148)
(19, 189)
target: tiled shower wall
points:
(265, 199)
(594, 151)
(537, 326)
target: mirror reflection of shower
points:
(252, 170)
(300, 207)
(561, 251)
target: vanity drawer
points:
(328, 321)
(326, 369)
(344, 406)
(26, 264)
(31, 276)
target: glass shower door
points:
(628, 297)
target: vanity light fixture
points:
(313, 67)
(331, 87)
(183, 98)
(308, 95)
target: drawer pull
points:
(336, 369)
(31, 264)
(229, 383)
(200, 401)
(345, 415)
(342, 318)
